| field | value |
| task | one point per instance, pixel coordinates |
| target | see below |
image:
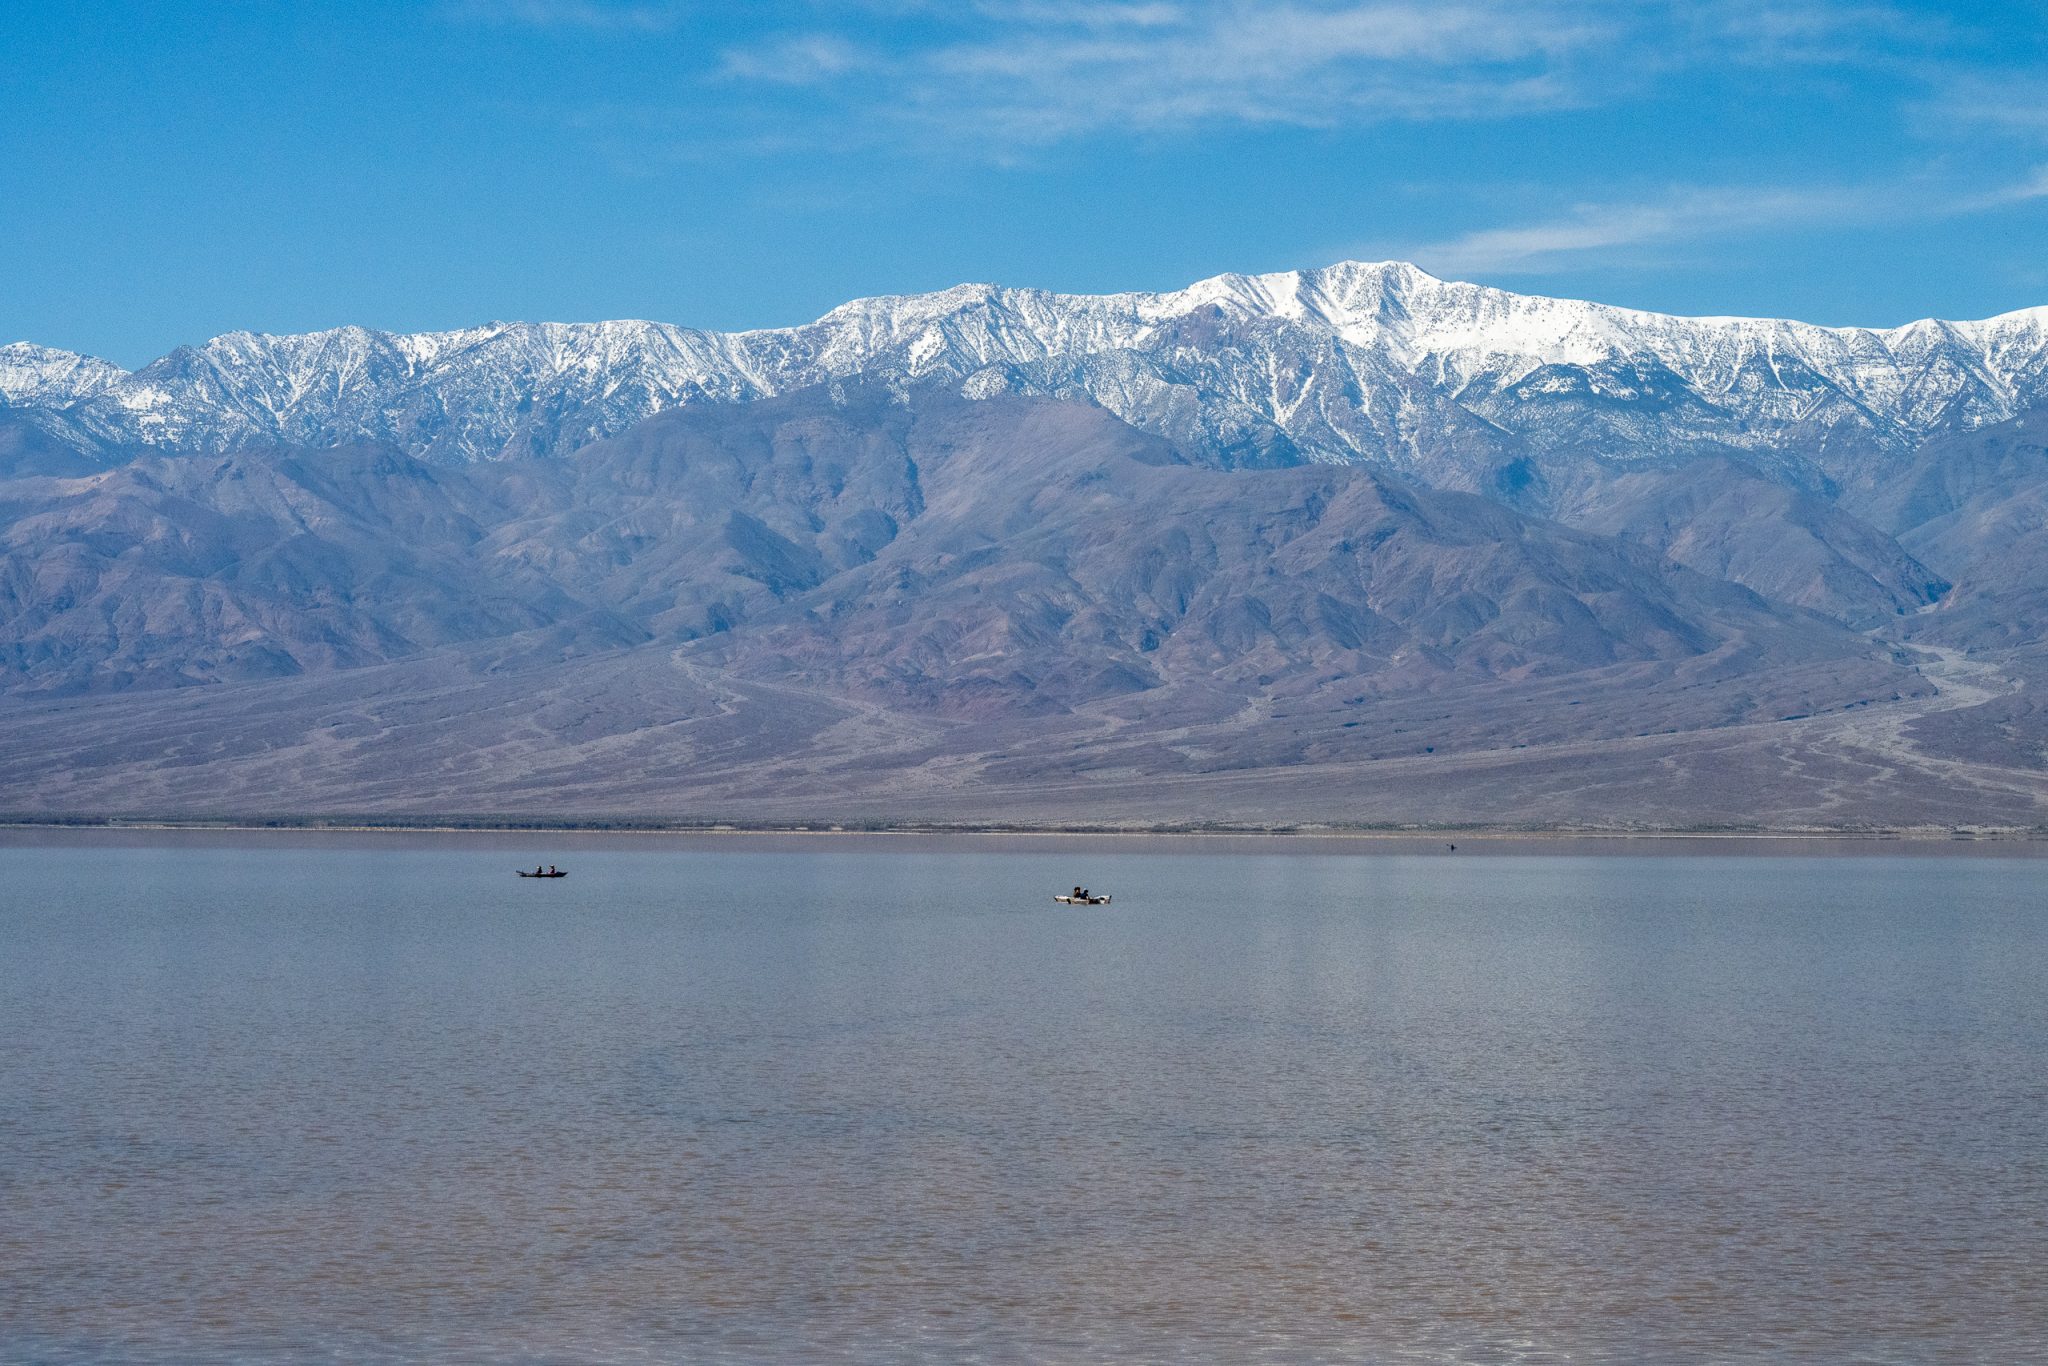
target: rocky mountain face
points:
(1000, 541)
(1378, 363)
(946, 555)
(1975, 505)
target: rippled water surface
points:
(874, 1100)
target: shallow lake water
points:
(373, 1099)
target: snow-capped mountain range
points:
(1354, 362)
(1398, 530)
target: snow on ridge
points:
(39, 376)
(1352, 360)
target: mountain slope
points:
(1976, 505)
(1048, 551)
(1728, 520)
(1060, 558)
(942, 555)
(183, 570)
(1381, 363)
(825, 608)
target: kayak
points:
(526, 874)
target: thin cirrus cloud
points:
(1685, 214)
(2011, 103)
(2026, 191)
(1703, 213)
(1021, 72)
(997, 74)
(801, 60)
(622, 16)
(1043, 72)
(1813, 32)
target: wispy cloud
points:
(1686, 214)
(631, 16)
(2026, 191)
(802, 59)
(1082, 14)
(2014, 103)
(1680, 214)
(1811, 32)
(1037, 71)
(991, 78)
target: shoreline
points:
(456, 825)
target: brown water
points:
(871, 1101)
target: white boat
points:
(1067, 900)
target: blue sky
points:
(176, 170)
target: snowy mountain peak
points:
(1376, 361)
(35, 375)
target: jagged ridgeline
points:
(1353, 543)
(1354, 362)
